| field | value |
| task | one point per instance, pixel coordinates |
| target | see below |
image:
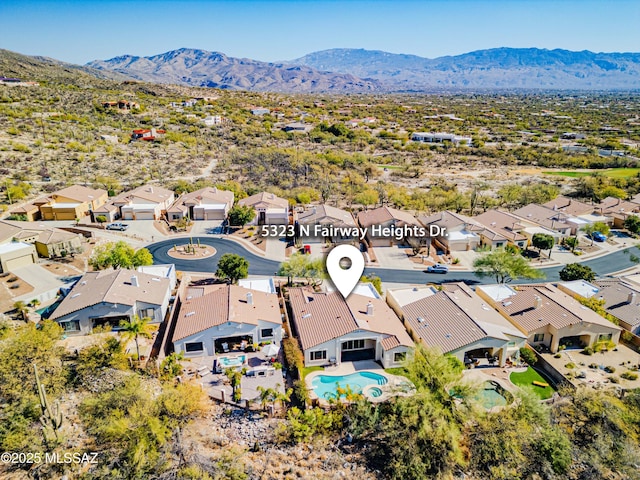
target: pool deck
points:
(346, 368)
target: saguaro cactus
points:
(51, 417)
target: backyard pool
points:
(325, 386)
(490, 394)
(230, 362)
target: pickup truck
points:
(117, 226)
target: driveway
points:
(44, 283)
(393, 257)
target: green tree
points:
(632, 223)
(108, 352)
(504, 266)
(101, 219)
(240, 215)
(232, 267)
(528, 355)
(542, 241)
(367, 197)
(135, 329)
(21, 309)
(300, 265)
(119, 255)
(577, 271)
(572, 243)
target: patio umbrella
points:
(270, 350)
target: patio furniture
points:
(225, 347)
(243, 345)
(270, 350)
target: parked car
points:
(117, 226)
(437, 268)
(598, 237)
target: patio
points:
(260, 372)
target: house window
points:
(499, 244)
(353, 345)
(266, 333)
(399, 356)
(318, 355)
(147, 312)
(72, 326)
(538, 337)
(605, 337)
(511, 344)
(193, 347)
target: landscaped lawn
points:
(526, 379)
(307, 370)
(609, 172)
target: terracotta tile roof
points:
(113, 286)
(382, 215)
(325, 214)
(212, 305)
(152, 193)
(616, 293)
(615, 205)
(569, 206)
(264, 199)
(80, 193)
(554, 308)
(455, 317)
(446, 219)
(27, 208)
(544, 216)
(20, 230)
(320, 317)
(504, 223)
(55, 235)
(208, 193)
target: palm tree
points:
(135, 328)
(22, 309)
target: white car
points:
(437, 268)
(117, 226)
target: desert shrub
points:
(629, 376)
(609, 369)
(528, 356)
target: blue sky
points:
(80, 31)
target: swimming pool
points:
(228, 362)
(325, 386)
(490, 394)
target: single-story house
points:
(569, 206)
(332, 330)
(270, 209)
(385, 217)
(16, 254)
(331, 217)
(456, 321)
(208, 203)
(109, 297)
(549, 316)
(508, 226)
(425, 137)
(555, 221)
(147, 202)
(461, 232)
(72, 202)
(214, 318)
(297, 127)
(621, 298)
(618, 210)
(49, 242)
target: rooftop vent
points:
(134, 280)
(190, 314)
(369, 308)
(420, 320)
(631, 298)
(250, 298)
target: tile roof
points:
(152, 193)
(455, 317)
(14, 229)
(569, 206)
(615, 205)
(207, 193)
(616, 293)
(264, 199)
(446, 219)
(80, 193)
(211, 305)
(113, 286)
(320, 317)
(382, 215)
(556, 308)
(544, 216)
(325, 214)
(506, 224)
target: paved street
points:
(604, 265)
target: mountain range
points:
(357, 71)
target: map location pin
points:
(345, 279)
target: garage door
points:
(214, 215)
(19, 262)
(145, 215)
